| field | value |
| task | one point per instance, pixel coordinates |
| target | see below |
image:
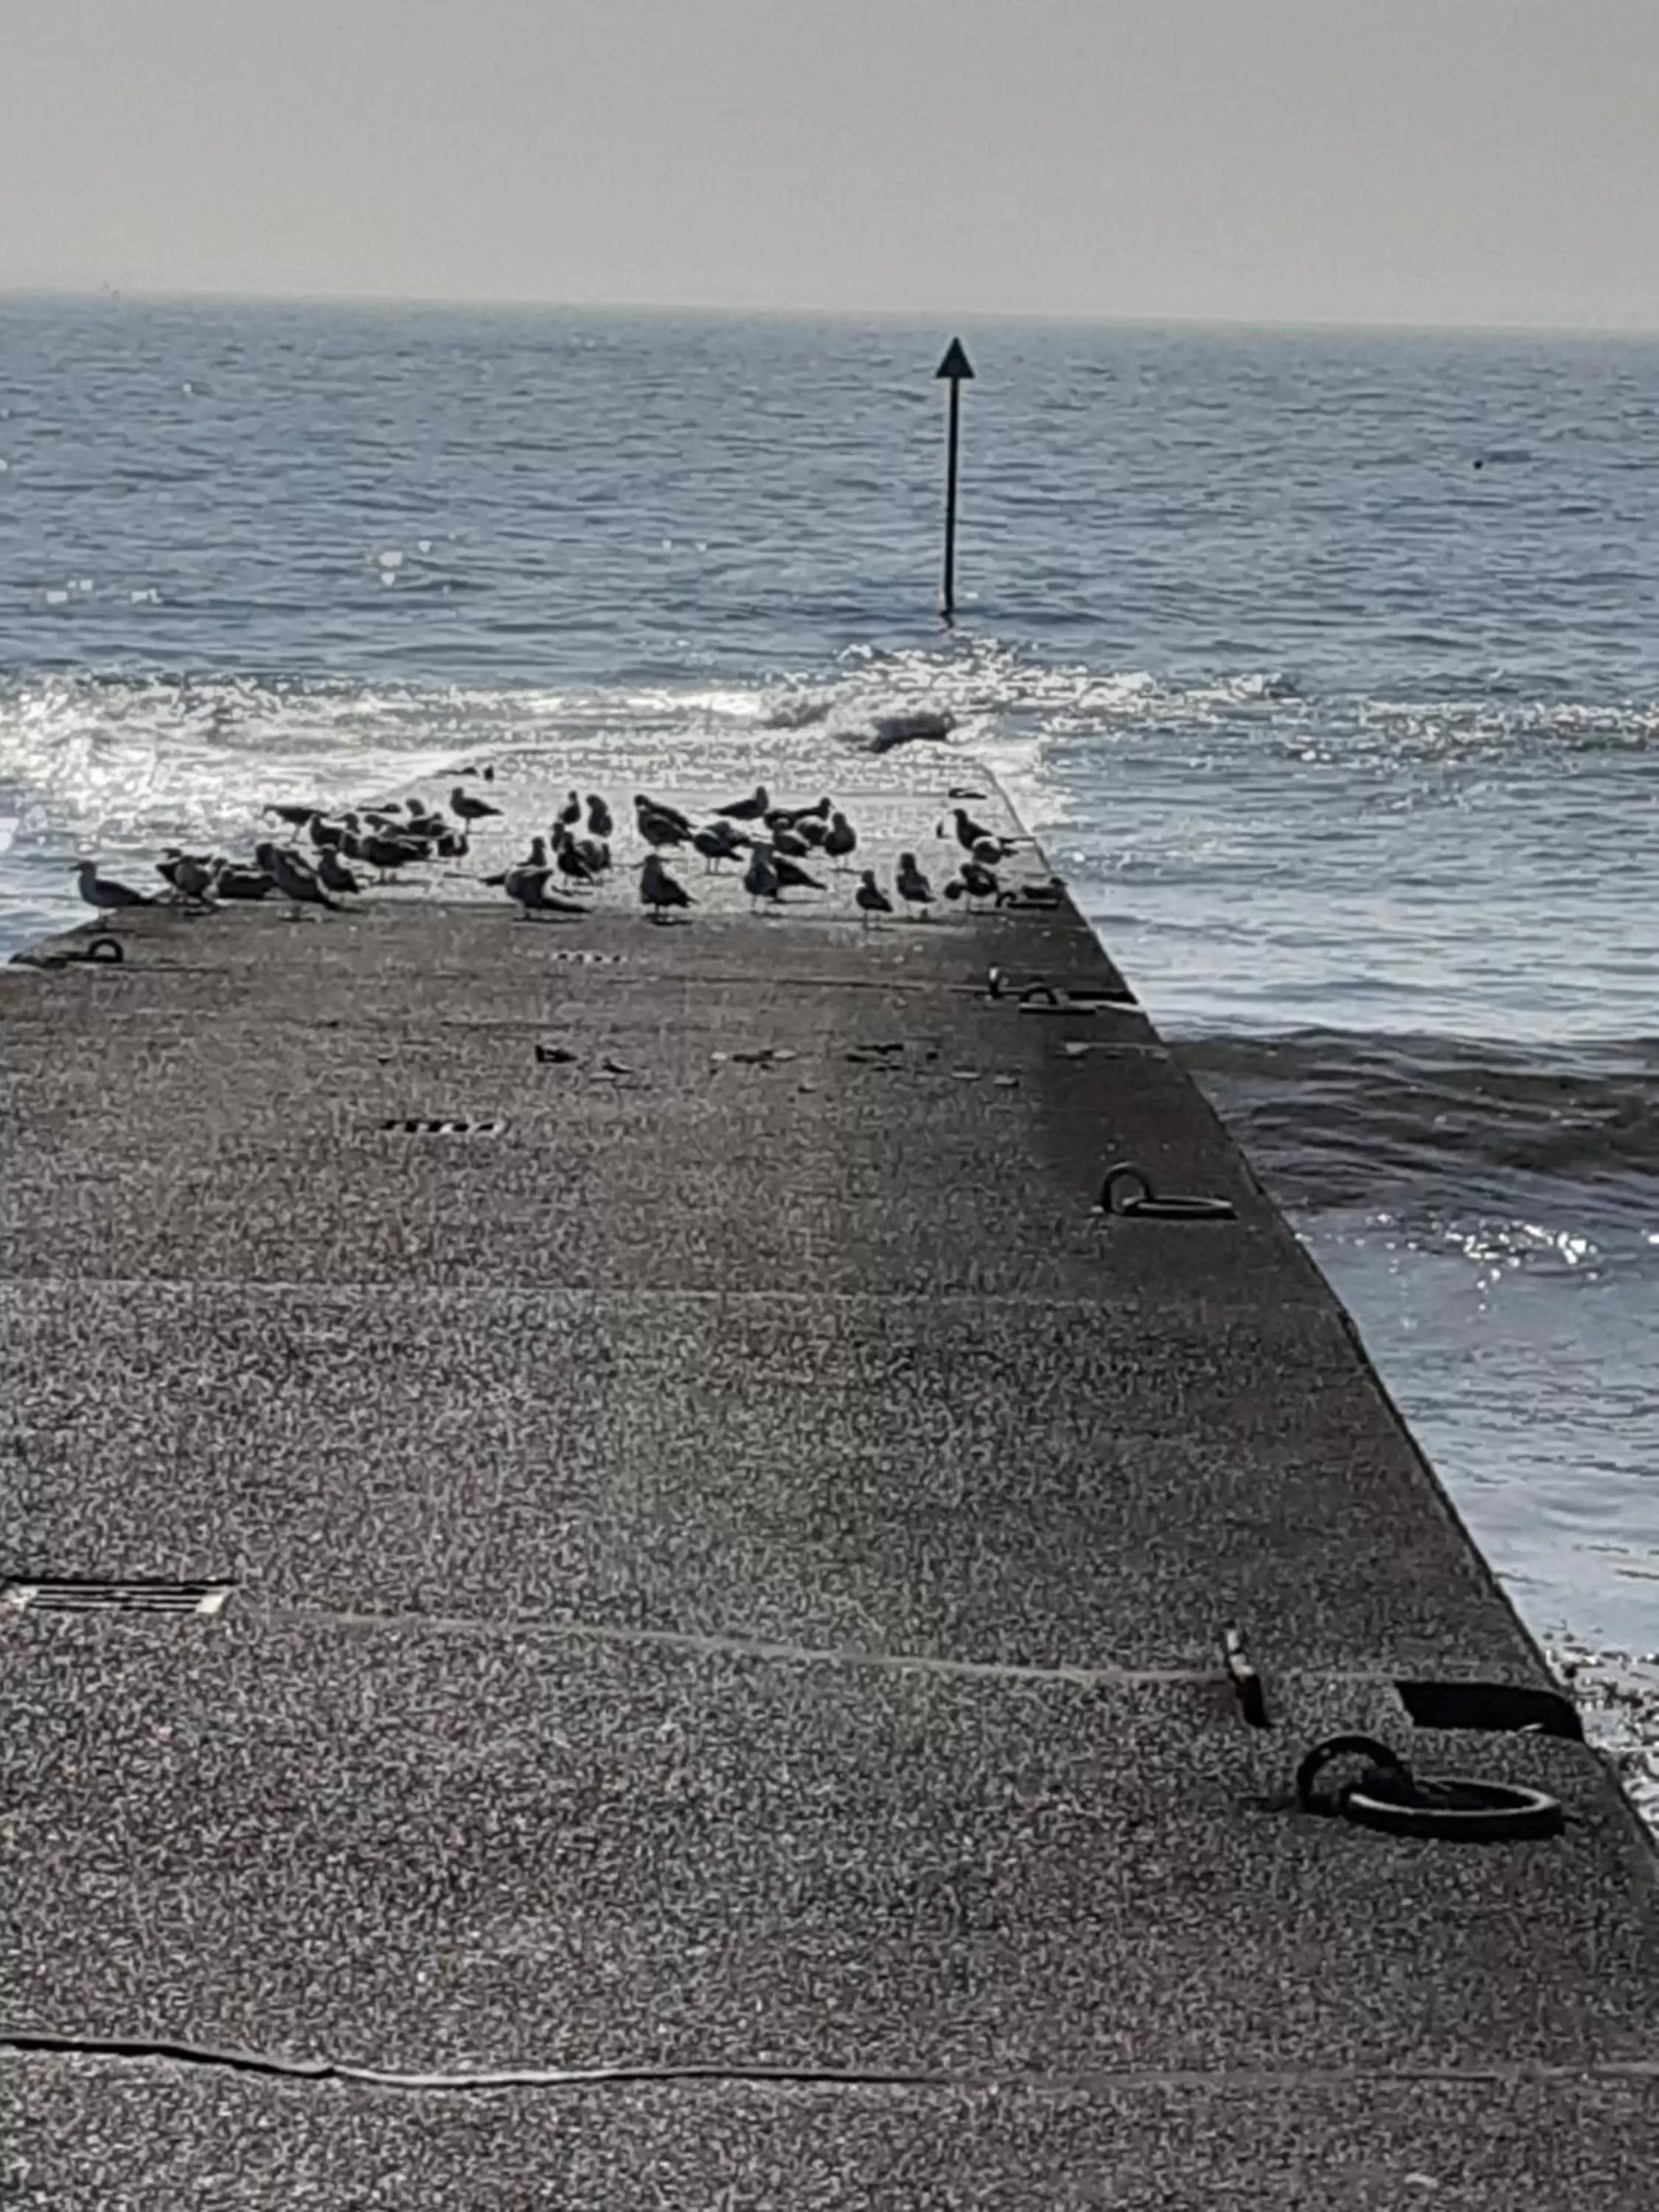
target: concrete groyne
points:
(734, 1638)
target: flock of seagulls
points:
(326, 860)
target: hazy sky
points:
(1420, 160)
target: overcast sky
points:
(1415, 160)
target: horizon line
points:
(1399, 326)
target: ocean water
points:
(1326, 666)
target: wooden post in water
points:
(953, 369)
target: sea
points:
(1324, 664)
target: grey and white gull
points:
(104, 892)
(659, 889)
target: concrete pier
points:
(721, 1697)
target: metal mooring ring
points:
(109, 949)
(1338, 1746)
(1448, 1807)
(1456, 1807)
(1149, 1205)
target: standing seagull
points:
(759, 878)
(571, 812)
(292, 878)
(333, 874)
(189, 874)
(970, 833)
(661, 829)
(871, 897)
(912, 886)
(663, 811)
(747, 810)
(103, 892)
(468, 809)
(719, 842)
(979, 882)
(571, 862)
(659, 889)
(790, 875)
(840, 840)
(386, 856)
(599, 823)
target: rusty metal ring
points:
(106, 949)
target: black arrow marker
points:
(953, 369)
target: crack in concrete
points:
(26, 2042)
(267, 2065)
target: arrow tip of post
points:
(956, 363)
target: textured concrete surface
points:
(730, 1565)
(1223, 2143)
(448, 1850)
(949, 1476)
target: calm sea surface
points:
(1328, 666)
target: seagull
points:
(662, 828)
(990, 853)
(568, 860)
(747, 810)
(871, 897)
(719, 842)
(659, 889)
(760, 878)
(101, 892)
(663, 811)
(790, 877)
(333, 874)
(233, 882)
(527, 888)
(792, 847)
(292, 878)
(466, 809)
(979, 882)
(387, 854)
(538, 859)
(295, 817)
(813, 829)
(189, 874)
(322, 834)
(523, 885)
(912, 886)
(571, 812)
(970, 833)
(599, 823)
(840, 840)
(792, 817)
(596, 853)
